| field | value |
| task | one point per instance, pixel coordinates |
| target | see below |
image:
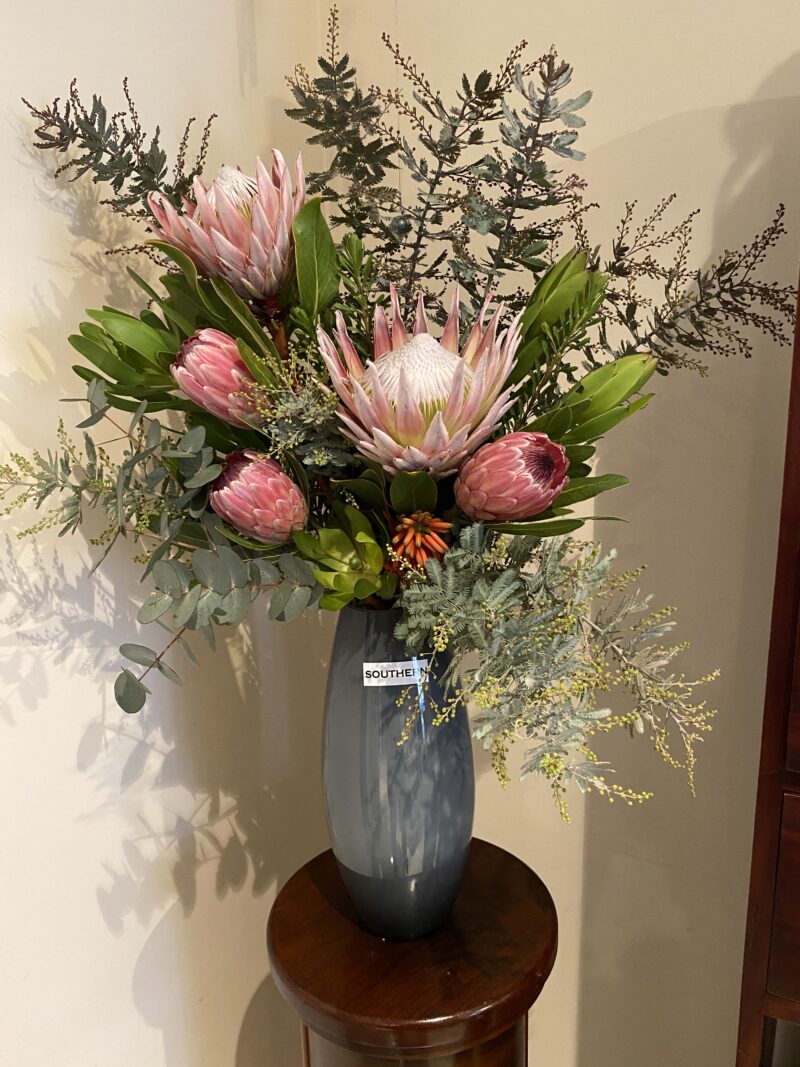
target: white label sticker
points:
(398, 672)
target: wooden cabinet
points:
(771, 973)
(793, 738)
(783, 977)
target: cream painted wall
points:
(127, 940)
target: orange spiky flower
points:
(418, 538)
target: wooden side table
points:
(458, 998)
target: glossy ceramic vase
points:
(399, 811)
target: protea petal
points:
(382, 342)
(410, 421)
(470, 349)
(399, 335)
(239, 228)
(353, 363)
(233, 223)
(420, 321)
(451, 327)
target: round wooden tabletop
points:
(460, 986)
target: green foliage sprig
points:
(116, 150)
(555, 630)
(711, 311)
(485, 216)
(464, 195)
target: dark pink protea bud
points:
(256, 496)
(512, 478)
(210, 371)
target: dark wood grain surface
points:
(793, 737)
(464, 985)
(778, 770)
(784, 960)
(506, 1050)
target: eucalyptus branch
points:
(160, 656)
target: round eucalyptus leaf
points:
(168, 672)
(185, 609)
(237, 568)
(129, 692)
(234, 607)
(296, 569)
(279, 599)
(140, 654)
(211, 570)
(154, 607)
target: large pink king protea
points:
(240, 228)
(420, 404)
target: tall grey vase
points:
(399, 811)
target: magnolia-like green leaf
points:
(611, 384)
(388, 586)
(245, 542)
(364, 489)
(309, 545)
(334, 601)
(550, 528)
(360, 529)
(594, 428)
(585, 488)
(335, 545)
(315, 259)
(412, 491)
(135, 334)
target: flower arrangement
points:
(397, 402)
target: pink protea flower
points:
(210, 371)
(240, 228)
(419, 403)
(257, 497)
(512, 478)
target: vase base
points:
(402, 909)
